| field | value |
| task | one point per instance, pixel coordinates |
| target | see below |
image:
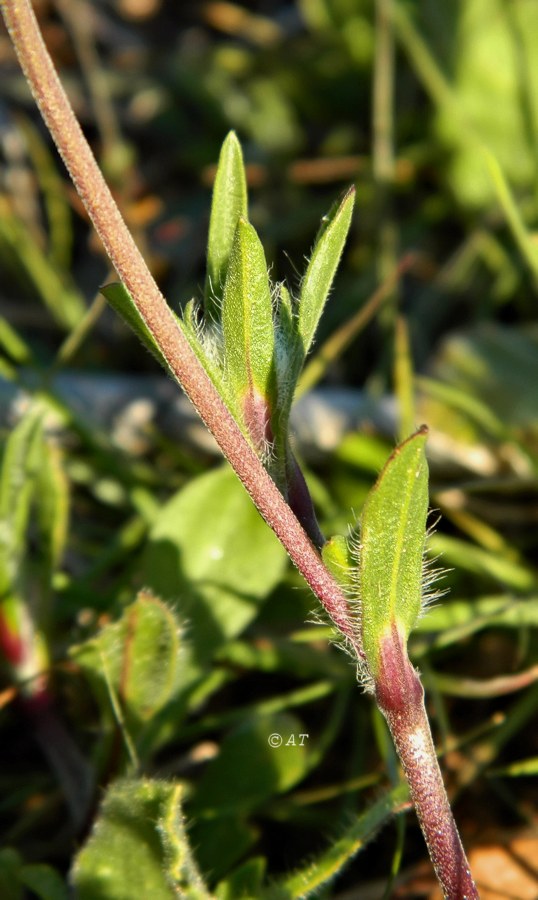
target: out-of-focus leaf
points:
(244, 882)
(496, 43)
(55, 198)
(44, 882)
(31, 478)
(25, 257)
(10, 864)
(260, 758)
(20, 465)
(481, 417)
(52, 511)
(455, 620)
(138, 847)
(307, 881)
(23, 645)
(121, 301)
(12, 343)
(403, 379)
(211, 552)
(363, 451)
(522, 235)
(520, 769)
(471, 558)
(287, 655)
(137, 658)
(221, 843)
(496, 368)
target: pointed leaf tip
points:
(322, 266)
(228, 205)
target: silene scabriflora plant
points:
(238, 355)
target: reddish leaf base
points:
(12, 647)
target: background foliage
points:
(174, 627)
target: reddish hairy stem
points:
(400, 696)
(133, 272)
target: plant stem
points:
(400, 696)
(134, 273)
(417, 754)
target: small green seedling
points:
(238, 358)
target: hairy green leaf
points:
(136, 657)
(228, 206)
(248, 331)
(322, 267)
(393, 531)
(138, 847)
(336, 556)
(289, 358)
